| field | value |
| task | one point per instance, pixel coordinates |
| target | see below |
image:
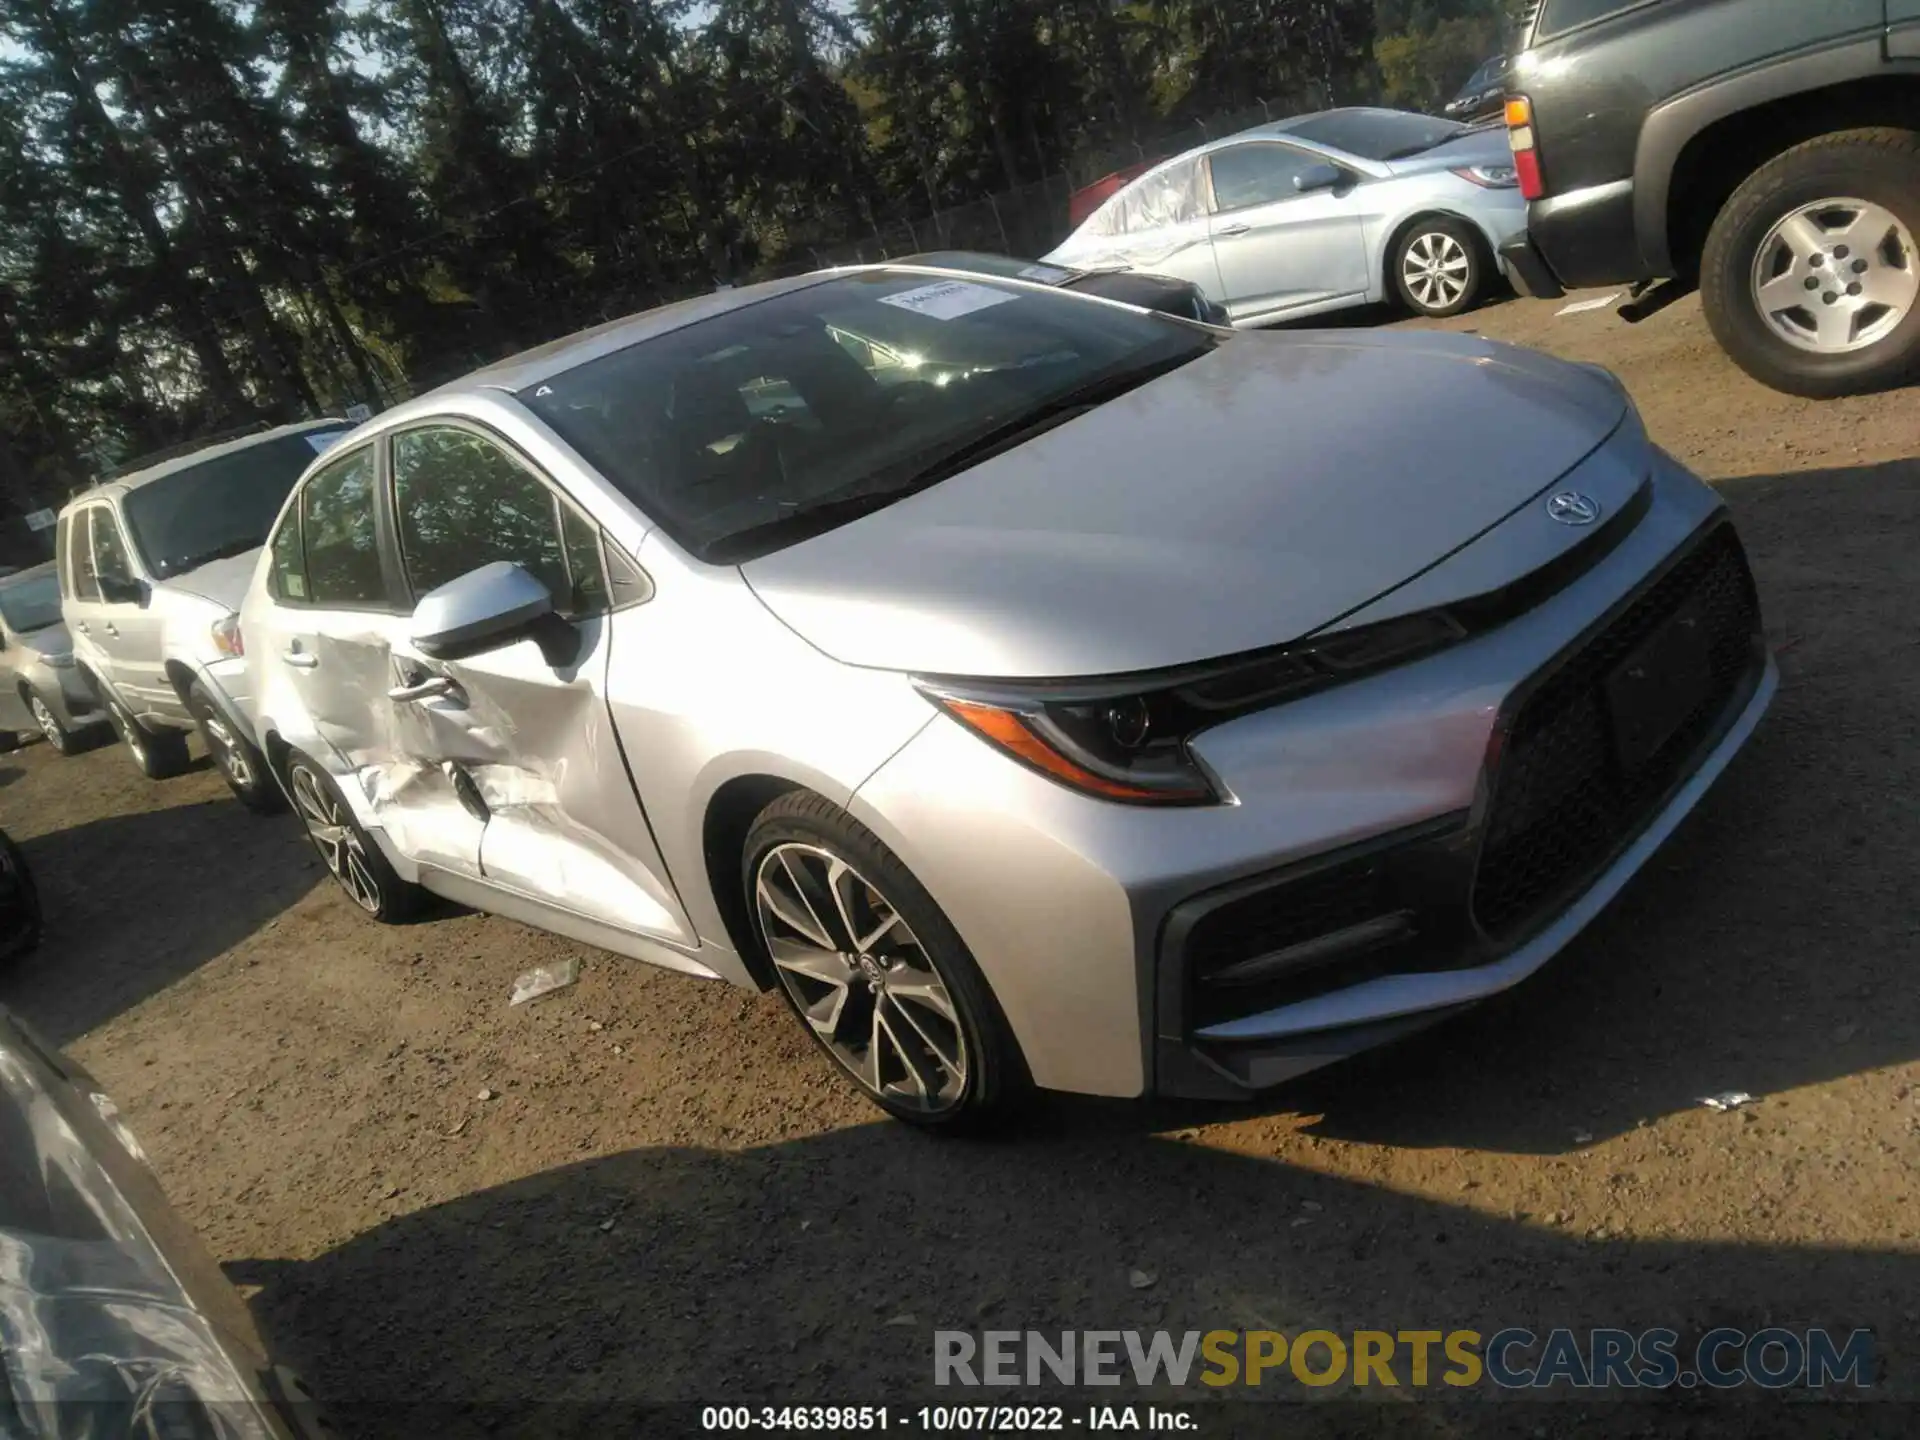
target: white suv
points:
(153, 566)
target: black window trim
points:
(556, 492)
(296, 515)
(1213, 201)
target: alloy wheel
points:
(860, 978)
(1836, 276)
(336, 838)
(45, 719)
(1437, 269)
(227, 753)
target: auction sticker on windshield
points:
(947, 299)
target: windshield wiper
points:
(754, 540)
(207, 557)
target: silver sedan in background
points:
(40, 686)
(1077, 696)
(1318, 213)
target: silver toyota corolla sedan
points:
(1318, 213)
(1042, 692)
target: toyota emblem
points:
(1570, 507)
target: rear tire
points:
(1783, 344)
(242, 766)
(902, 1010)
(351, 856)
(1440, 267)
(160, 754)
(63, 740)
(19, 903)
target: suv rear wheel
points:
(160, 754)
(242, 766)
(1811, 276)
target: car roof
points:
(122, 484)
(530, 367)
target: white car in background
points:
(1319, 213)
(153, 566)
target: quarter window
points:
(337, 524)
(463, 502)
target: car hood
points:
(1257, 494)
(1486, 146)
(224, 582)
(49, 640)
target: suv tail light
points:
(1526, 147)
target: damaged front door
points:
(527, 732)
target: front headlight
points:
(226, 636)
(1490, 177)
(1127, 739)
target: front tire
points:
(875, 972)
(1811, 277)
(1440, 267)
(160, 754)
(19, 903)
(242, 766)
(349, 853)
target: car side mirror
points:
(487, 608)
(1319, 177)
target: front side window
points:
(219, 507)
(463, 502)
(686, 423)
(341, 541)
(1559, 16)
(111, 568)
(1257, 174)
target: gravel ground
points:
(645, 1188)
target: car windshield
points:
(1376, 134)
(220, 507)
(751, 430)
(30, 605)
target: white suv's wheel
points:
(160, 754)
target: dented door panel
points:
(564, 825)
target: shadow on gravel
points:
(816, 1271)
(135, 901)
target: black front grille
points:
(1563, 805)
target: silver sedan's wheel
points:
(1836, 276)
(1436, 269)
(860, 979)
(337, 839)
(49, 724)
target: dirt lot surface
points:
(669, 1197)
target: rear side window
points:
(77, 561)
(341, 547)
(461, 502)
(1557, 16)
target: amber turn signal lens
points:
(1519, 112)
(1012, 734)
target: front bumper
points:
(1083, 916)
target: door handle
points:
(434, 687)
(299, 659)
(81, 626)
(1236, 228)
(113, 629)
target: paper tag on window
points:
(325, 440)
(1045, 274)
(947, 299)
